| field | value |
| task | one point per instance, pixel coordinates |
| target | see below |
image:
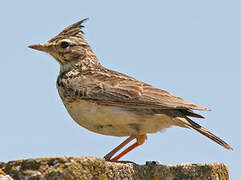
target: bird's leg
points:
(140, 139)
(111, 153)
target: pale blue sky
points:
(189, 48)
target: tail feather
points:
(191, 124)
(189, 112)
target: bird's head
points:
(68, 46)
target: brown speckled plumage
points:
(112, 103)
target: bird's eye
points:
(64, 44)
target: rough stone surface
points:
(93, 168)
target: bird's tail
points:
(192, 125)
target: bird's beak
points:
(41, 47)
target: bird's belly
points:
(115, 121)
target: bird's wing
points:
(116, 89)
(136, 94)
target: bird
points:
(111, 103)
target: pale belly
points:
(116, 121)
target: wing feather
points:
(112, 88)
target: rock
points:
(93, 168)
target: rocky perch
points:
(93, 168)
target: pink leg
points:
(110, 154)
(131, 147)
(140, 139)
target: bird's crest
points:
(72, 30)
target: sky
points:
(189, 48)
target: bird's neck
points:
(89, 62)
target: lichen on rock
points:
(93, 168)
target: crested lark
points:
(110, 103)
